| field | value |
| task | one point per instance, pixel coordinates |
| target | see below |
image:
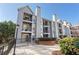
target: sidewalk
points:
(24, 49)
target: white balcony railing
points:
(27, 21)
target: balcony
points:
(60, 32)
(27, 30)
(45, 22)
(45, 29)
(27, 21)
(46, 26)
(60, 25)
(45, 35)
(27, 27)
(27, 18)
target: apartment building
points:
(32, 25)
(75, 31)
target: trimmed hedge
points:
(46, 39)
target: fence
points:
(5, 48)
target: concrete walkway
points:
(33, 49)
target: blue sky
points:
(68, 12)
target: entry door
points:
(27, 37)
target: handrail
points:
(5, 48)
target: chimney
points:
(38, 11)
(54, 17)
(39, 23)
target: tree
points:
(7, 31)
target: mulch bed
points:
(47, 42)
(57, 53)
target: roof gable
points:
(26, 9)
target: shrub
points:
(69, 45)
